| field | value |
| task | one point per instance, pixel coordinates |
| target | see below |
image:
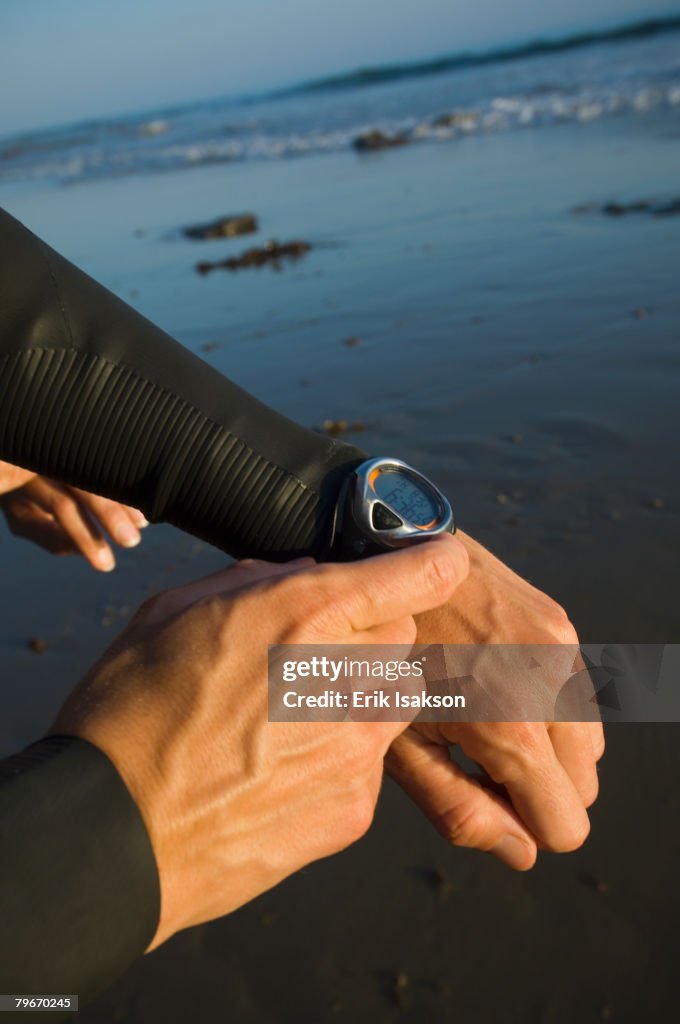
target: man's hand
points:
(65, 520)
(538, 779)
(232, 802)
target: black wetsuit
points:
(94, 395)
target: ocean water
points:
(509, 346)
(581, 79)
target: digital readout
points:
(411, 501)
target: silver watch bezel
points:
(365, 500)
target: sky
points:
(69, 60)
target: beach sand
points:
(527, 358)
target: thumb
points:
(401, 583)
(382, 595)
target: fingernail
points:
(127, 535)
(141, 520)
(514, 852)
(105, 560)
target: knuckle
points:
(438, 576)
(574, 838)
(63, 505)
(462, 825)
(154, 606)
(149, 605)
(566, 634)
(165, 604)
(514, 751)
(561, 626)
(591, 791)
(599, 745)
(360, 816)
(248, 566)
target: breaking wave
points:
(578, 79)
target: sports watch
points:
(386, 504)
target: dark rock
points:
(395, 986)
(640, 314)
(336, 427)
(456, 119)
(397, 989)
(224, 227)
(620, 209)
(438, 881)
(401, 986)
(654, 207)
(272, 252)
(671, 209)
(352, 342)
(372, 141)
(440, 988)
(11, 152)
(598, 885)
(37, 645)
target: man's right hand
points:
(232, 802)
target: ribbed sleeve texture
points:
(93, 394)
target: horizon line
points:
(378, 74)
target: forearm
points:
(94, 395)
(79, 890)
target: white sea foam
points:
(582, 87)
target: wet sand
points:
(501, 352)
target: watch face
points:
(411, 500)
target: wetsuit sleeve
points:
(79, 889)
(93, 394)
